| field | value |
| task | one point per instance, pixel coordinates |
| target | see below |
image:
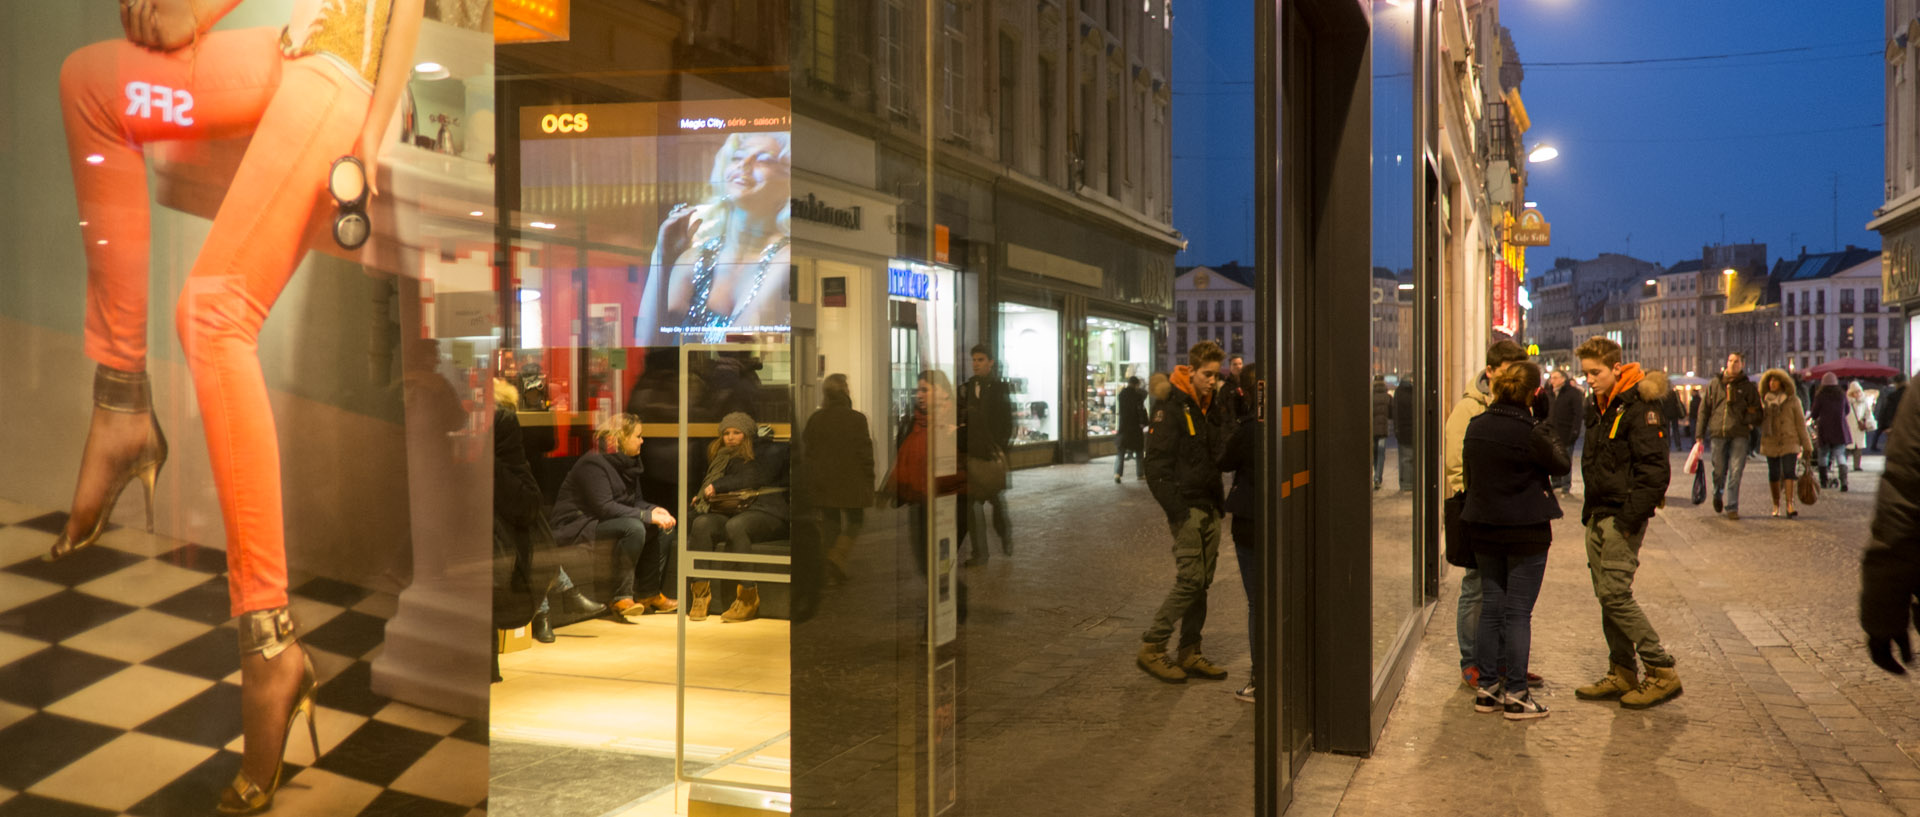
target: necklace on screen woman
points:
(705, 270)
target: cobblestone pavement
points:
(1782, 713)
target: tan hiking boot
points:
(1618, 681)
(1196, 665)
(1661, 684)
(1153, 661)
(746, 606)
(699, 598)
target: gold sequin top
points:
(349, 32)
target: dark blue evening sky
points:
(1651, 156)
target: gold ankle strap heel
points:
(270, 633)
(123, 393)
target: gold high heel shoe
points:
(126, 393)
(270, 632)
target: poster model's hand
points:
(162, 25)
(679, 228)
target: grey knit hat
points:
(1829, 379)
(739, 420)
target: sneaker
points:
(1717, 504)
(1488, 699)
(1245, 693)
(1523, 707)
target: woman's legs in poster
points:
(115, 98)
(251, 251)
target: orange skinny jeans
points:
(303, 114)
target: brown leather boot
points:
(1618, 681)
(660, 603)
(1153, 661)
(837, 558)
(746, 605)
(699, 598)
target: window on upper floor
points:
(1789, 303)
(1219, 311)
(1238, 312)
(1870, 333)
(1180, 311)
(1820, 302)
(953, 70)
(893, 59)
(1846, 301)
(1872, 298)
(1820, 335)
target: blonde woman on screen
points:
(723, 265)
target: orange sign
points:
(940, 243)
(528, 21)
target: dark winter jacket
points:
(1241, 457)
(602, 486)
(837, 459)
(1382, 409)
(1693, 413)
(1625, 460)
(1184, 443)
(767, 471)
(986, 403)
(1890, 567)
(1671, 409)
(1888, 408)
(1507, 458)
(1829, 412)
(1403, 413)
(522, 542)
(1731, 409)
(1133, 418)
(1568, 414)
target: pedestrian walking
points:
(1673, 412)
(838, 470)
(1507, 460)
(1241, 457)
(1890, 565)
(1566, 415)
(1133, 432)
(1693, 415)
(1829, 412)
(1382, 426)
(1860, 421)
(1729, 414)
(1626, 470)
(1783, 438)
(986, 406)
(1473, 401)
(1403, 399)
(1885, 409)
(1183, 470)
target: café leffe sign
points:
(1531, 230)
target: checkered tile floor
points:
(119, 690)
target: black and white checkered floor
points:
(119, 690)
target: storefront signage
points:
(904, 281)
(1900, 279)
(563, 123)
(833, 291)
(1532, 230)
(820, 212)
(1506, 311)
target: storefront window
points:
(1116, 351)
(1030, 360)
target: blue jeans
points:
(1467, 619)
(1831, 456)
(1406, 466)
(561, 584)
(1245, 549)
(1512, 585)
(1379, 459)
(1729, 462)
(637, 573)
(1138, 456)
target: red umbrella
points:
(1848, 367)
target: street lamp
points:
(1543, 153)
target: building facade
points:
(1830, 308)
(1670, 320)
(1898, 218)
(1210, 303)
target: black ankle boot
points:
(542, 628)
(575, 606)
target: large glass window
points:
(1116, 352)
(1030, 356)
(1399, 468)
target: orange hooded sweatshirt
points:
(1182, 379)
(1630, 376)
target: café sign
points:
(1532, 230)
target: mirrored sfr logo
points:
(174, 104)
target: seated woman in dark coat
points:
(759, 479)
(601, 499)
